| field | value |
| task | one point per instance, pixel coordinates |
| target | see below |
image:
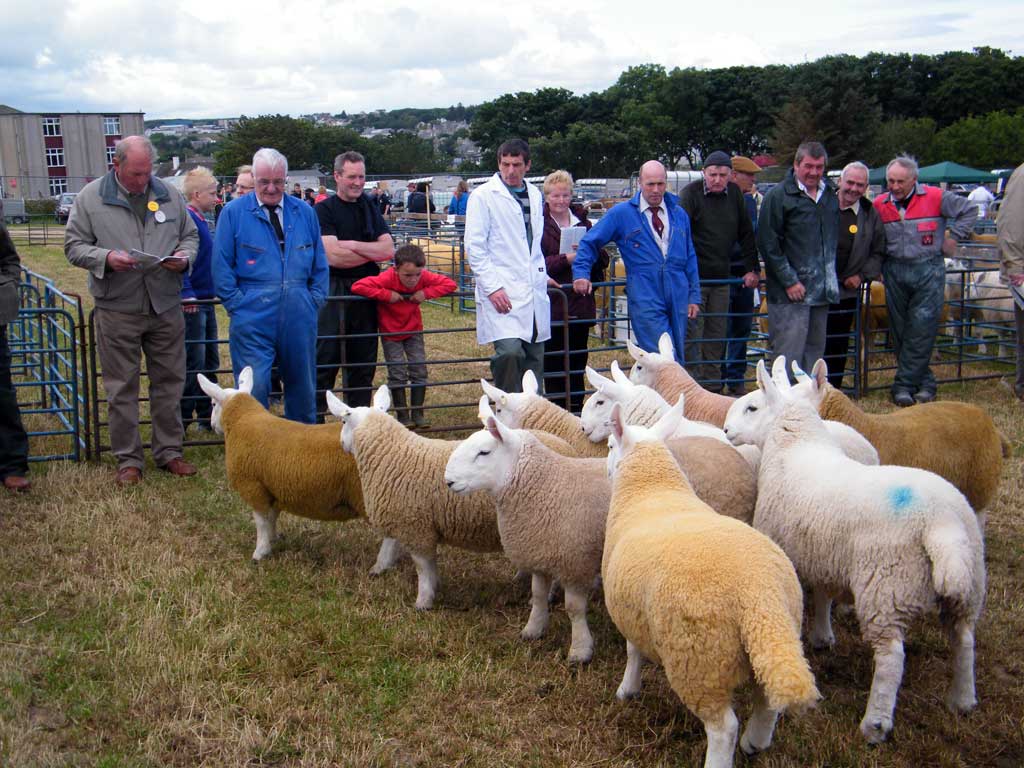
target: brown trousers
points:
(122, 338)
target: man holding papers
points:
(138, 299)
(564, 227)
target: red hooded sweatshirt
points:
(402, 317)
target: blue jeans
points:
(201, 356)
(737, 331)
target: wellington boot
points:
(401, 409)
(419, 394)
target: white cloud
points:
(201, 58)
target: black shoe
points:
(924, 396)
(418, 394)
(902, 398)
(400, 405)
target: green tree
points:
(292, 138)
(795, 123)
(913, 136)
(995, 140)
(402, 152)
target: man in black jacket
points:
(860, 248)
(718, 221)
(13, 439)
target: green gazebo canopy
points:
(948, 171)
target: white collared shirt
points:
(645, 209)
(819, 190)
(855, 207)
(280, 210)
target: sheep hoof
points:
(624, 694)
(260, 554)
(581, 657)
(377, 570)
(823, 643)
(876, 730)
(961, 703)
(424, 605)
(749, 749)
(532, 633)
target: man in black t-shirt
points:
(355, 238)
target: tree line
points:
(951, 106)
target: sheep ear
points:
(618, 425)
(761, 374)
(619, 377)
(597, 381)
(798, 372)
(494, 427)
(245, 380)
(772, 391)
(665, 346)
(530, 386)
(635, 352)
(484, 411)
(336, 406)
(819, 375)
(779, 375)
(666, 426)
(382, 398)
(213, 391)
(495, 394)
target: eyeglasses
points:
(279, 183)
(246, 187)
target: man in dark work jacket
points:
(355, 238)
(860, 248)
(718, 220)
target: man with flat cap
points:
(719, 222)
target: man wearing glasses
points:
(244, 182)
(270, 270)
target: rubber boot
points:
(401, 410)
(419, 394)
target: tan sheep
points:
(660, 371)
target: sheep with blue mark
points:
(902, 540)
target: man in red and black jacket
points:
(921, 224)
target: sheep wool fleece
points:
(274, 463)
(708, 597)
(701, 405)
(543, 415)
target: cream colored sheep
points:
(279, 465)
(710, 599)
(660, 371)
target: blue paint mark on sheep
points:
(900, 498)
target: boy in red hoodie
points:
(400, 291)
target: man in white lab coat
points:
(504, 224)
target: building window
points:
(58, 185)
(110, 155)
(111, 126)
(54, 157)
(51, 126)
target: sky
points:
(204, 58)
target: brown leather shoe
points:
(178, 466)
(128, 476)
(15, 483)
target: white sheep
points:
(529, 410)
(404, 493)
(551, 516)
(660, 371)
(748, 418)
(278, 465)
(710, 599)
(641, 406)
(901, 540)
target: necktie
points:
(276, 223)
(659, 227)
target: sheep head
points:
(484, 461)
(645, 369)
(219, 395)
(624, 437)
(597, 410)
(509, 406)
(352, 418)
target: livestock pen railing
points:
(47, 366)
(59, 374)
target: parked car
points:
(64, 203)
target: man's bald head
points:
(133, 163)
(653, 178)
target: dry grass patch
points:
(134, 631)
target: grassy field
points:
(135, 631)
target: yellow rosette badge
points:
(853, 229)
(152, 205)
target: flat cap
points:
(745, 165)
(718, 157)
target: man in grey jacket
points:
(135, 237)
